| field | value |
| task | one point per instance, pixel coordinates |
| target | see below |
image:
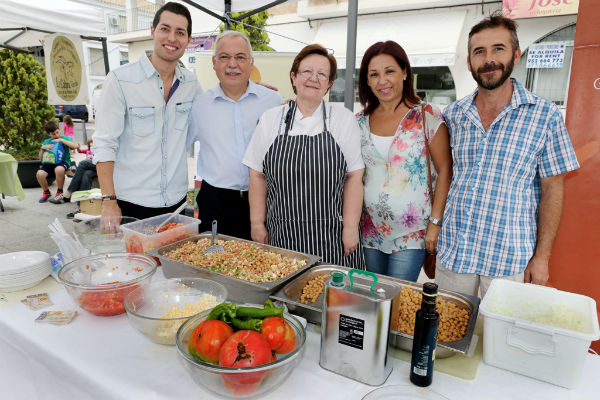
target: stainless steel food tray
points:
(290, 295)
(239, 290)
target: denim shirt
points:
(143, 135)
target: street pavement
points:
(24, 224)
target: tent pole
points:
(104, 49)
(350, 54)
(105, 55)
(227, 14)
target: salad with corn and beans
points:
(241, 260)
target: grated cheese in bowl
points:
(160, 309)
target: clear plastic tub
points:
(140, 236)
(538, 331)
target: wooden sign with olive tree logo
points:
(65, 69)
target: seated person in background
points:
(56, 159)
(82, 180)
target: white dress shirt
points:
(224, 127)
(341, 123)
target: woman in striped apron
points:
(306, 169)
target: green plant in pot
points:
(24, 109)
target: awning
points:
(429, 39)
(236, 5)
(52, 16)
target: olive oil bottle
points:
(425, 338)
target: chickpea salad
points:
(241, 260)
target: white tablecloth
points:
(106, 358)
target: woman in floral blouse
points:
(399, 224)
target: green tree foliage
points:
(23, 104)
(258, 38)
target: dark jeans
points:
(84, 175)
(140, 212)
(229, 207)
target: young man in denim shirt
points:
(141, 125)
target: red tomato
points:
(105, 303)
(244, 349)
(273, 328)
(207, 338)
(289, 340)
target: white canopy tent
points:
(229, 6)
(25, 23)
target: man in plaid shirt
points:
(510, 150)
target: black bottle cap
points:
(430, 288)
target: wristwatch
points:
(110, 196)
(435, 221)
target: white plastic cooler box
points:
(554, 347)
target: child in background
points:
(83, 178)
(68, 126)
(68, 130)
(55, 162)
(88, 152)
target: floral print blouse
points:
(396, 202)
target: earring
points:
(404, 79)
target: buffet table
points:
(106, 358)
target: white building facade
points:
(434, 33)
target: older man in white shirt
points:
(139, 142)
(223, 120)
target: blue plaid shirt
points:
(490, 221)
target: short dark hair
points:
(175, 8)
(50, 126)
(314, 49)
(496, 20)
(366, 96)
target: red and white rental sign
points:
(538, 8)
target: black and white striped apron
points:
(305, 178)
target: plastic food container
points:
(98, 241)
(538, 331)
(140, 237)
(245, 382)
(160, 308)
(100, 283)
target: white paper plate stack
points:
(23, 269)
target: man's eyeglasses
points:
(309, 73)
(239, 58)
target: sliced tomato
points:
(105, 303)
(133, 244)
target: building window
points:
(336, 94)
(435, 85)
(124, 57)
(97, 62)
(551, 83)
